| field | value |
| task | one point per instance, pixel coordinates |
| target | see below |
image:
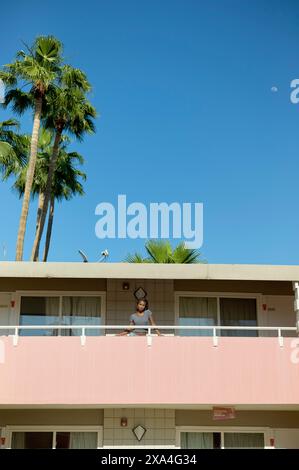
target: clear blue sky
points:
(183, 88)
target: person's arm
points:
(130, 329)
(127, 331)
(152, 322)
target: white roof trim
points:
(252, 272)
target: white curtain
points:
(18, 440)
(52, 307)
(197, 311)
(52, 314)
(81, 311)
(197, 440)
(243, 440)
(83, 440)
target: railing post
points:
(149, 336)
(280, 338)
(83, 337)
(15, 337)
(215, 338)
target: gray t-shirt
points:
(141, 320)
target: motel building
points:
(223, 374)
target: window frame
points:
(218, 295)
(266, 431)
(54, 429)
(60, 295)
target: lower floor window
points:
(53, 439)
(217, 440)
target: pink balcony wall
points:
(112, 370)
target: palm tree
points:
(66, 110)
(38, 68)
(6, 138)
(160, 251)
(5, 149)
(7, 128)
(66, 185)
(67, 176)
(13, 147)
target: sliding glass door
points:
(221, 311)
(222, 439)
(200, 440)
(32, 440)
(197, 311)
(54, 440)
(244, 440)
(238, 312)
(61, 310)
(39, 311)
(81, 311)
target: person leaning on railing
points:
(142, 316)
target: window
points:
(61, 310)
(243, 440)
(32, 440)
(76, 440)
(197, 311)
(81, 311)
(238, 312)
(222, 439)
(210, 311)
(39, 311)
(54, 439)
(200, 440)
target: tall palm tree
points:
(37, 68)
(67, 110)
(66, 185)
(160, 251)
(67, 176)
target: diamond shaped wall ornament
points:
(140, 293)
(139, 432)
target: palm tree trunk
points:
(41, 198)
(48, 193)
(29, 179)
(49, 228)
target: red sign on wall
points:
(223, 413)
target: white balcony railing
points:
(215, 330)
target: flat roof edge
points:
(253, 272)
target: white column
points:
(296, 303)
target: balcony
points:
(170, 369)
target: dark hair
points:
(143, 300)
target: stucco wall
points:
(159, 425)
(260, 287)
(121, 303)
(51, 417)
(279, 312)
(14, 284)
